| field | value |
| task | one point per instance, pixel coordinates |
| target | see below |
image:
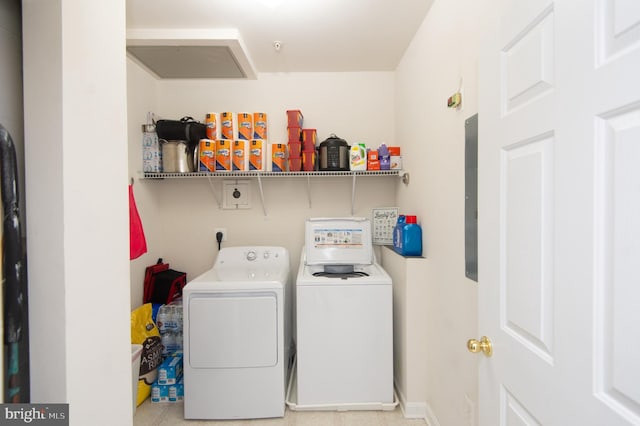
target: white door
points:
(559, 214)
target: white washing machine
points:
(344, 319)
(237, 335)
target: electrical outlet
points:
(224, 233)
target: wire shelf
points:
(261, 174)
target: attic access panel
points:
(188, 61)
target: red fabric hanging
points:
(137, 241)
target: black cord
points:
(219, 238)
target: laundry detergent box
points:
(170, 371)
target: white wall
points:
(141, 99)
(444, 51)
(410, 347)
(76, 161)
(43, 111)
(180, 215)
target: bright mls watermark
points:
(34, 414)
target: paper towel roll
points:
(211, 120)
(257, 151)
(260, 125)
(240, 156)
(245, 126)
(228, 126)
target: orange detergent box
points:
(256, 150)
(294, 118)
(279, 157)
(212, 125)
(223, 155)
(226, 125)
(373, 161)
(260, 125)
(395, 158)
(240, 156)
(207, 155)
(245, 126)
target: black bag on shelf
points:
(185, 129)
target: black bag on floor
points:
(162, 284)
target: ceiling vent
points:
(190, 53)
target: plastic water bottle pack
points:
(169, 321)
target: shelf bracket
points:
(309, 189)
(264, 209)
(353, 194)
(404, 176)
(215, 195)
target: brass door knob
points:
(483, 345)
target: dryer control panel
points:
(237, 257)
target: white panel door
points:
(559, 214)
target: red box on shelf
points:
(373, 161)
(309, 137)
(294, 134)
(309, 160)
(294, 118)
(373, 165)
(295, 148)
(295, 164)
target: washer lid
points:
(338, 241)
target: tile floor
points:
(165, 414)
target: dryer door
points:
(233, 330)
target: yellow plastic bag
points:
(145, 332)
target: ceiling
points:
(214, 36)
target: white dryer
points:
(237, 335)
(344, 319)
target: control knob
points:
(251, 256)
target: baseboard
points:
(416, 410)
(411, 410)
(431, 418)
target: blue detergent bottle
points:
(397, 234)
(411, 244)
